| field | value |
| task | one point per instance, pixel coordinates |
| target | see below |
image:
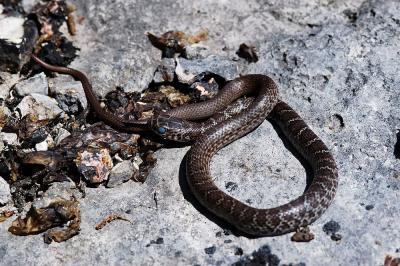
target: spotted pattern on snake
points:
(289, 217)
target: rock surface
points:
(5, 194)
(41, 106)
(121, 173)
(69, 93)
(36, 84)
(335, 62)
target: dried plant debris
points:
(92, 153)
(247, 52)
(205, 89)
(4, 215)
(303, 234)
(175, 42)
(71, 19)
(109, 219)
(40, 27)
(52, 45)
(391, 261)
(59, 213)
(174, 97)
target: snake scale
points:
(177, 124)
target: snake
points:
(182, 124)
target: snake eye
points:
(162, 130)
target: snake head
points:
(171, 128)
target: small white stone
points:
(8, 81)
(137, 161)
(62, 134)
(27, 5)
(182, 74)
(45, 144)
(12, 29)
(9, 138)
(5, 193)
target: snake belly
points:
(301, 211)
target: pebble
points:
(62, 134)
(7, 80)
(45, 144)
(9, 138)
(36, 84)
(121, 173)
(12, 29)
(65, 87)
(28, 4)
(41, 106)
(11, 36)
(5, 193)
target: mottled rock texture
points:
(336, 63)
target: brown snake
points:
(174, 124)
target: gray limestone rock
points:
(41, 106)
(197, 51)
(9, 138)
(5, 194)
(36, 84)
(165, 71)
(186, 70)
(65, 190)
(69, 93)
(336, 64)
(7, 80)
(121, 173)
(45, 144)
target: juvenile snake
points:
(209, 138)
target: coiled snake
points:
(175, 124)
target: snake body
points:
(177, 124)
(300, 212)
